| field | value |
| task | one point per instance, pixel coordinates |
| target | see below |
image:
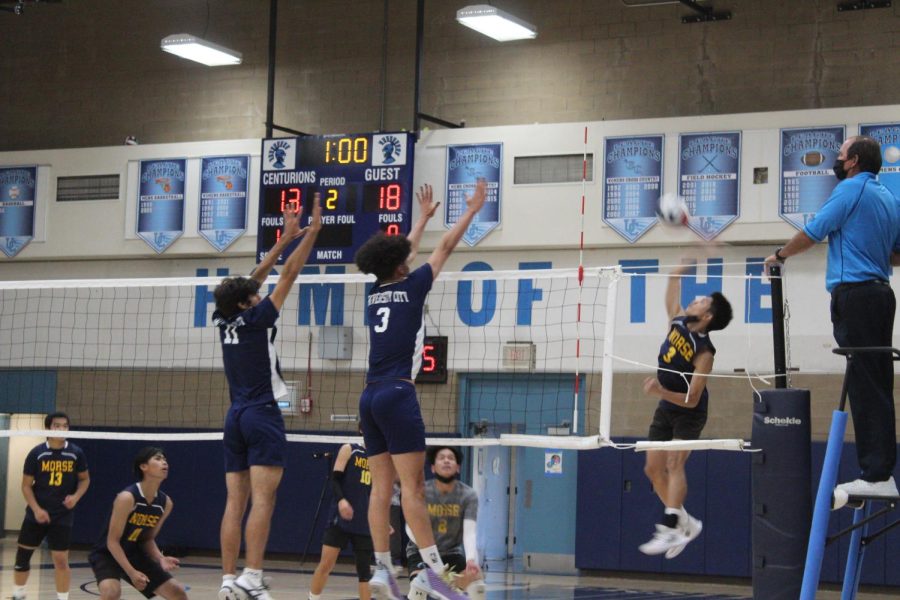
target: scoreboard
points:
(364, 181)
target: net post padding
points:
(606, 372)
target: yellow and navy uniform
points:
(677, 353)
(55, 472)
(356, 485)
(141, 521)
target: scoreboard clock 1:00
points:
(364, 181)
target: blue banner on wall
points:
(161, 202)
(709, 171)
(224, 186)
(888, 135)
(465, 164)
(18, 188)
(807, 155)
(633, 168)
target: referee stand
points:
(826, 500)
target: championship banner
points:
(888, 135)
(224, 186)
(633, 168)
(709, 168)
(465, 165)
(18, 187)
(161, 202)
(807, 179)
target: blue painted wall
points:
(196, 484)
(28, 391)
(616, 510)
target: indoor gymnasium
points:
(523, 300)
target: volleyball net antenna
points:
(141, 358)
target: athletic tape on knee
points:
(23, 559)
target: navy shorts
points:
(671, 425)
(254, 435)
(390, 418)
(59, 537)
(106, 567)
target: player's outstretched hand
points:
(169, 563)
(427, 205)
(291, 230)
(476, 200)
(316, 223)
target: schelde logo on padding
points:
(782, 421)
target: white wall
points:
(19, 447)
(540, 222)
(545, 216)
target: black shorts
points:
(59, 537)
(106, 567)
(457, 563)
(671, 425)
(338, 538)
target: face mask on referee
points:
(839, 170)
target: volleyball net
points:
(517, 355)
(551, 358)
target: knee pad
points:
(363, 567)
(23, 559)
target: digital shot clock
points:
(364, 181)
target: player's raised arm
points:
(427, 208)
(290, 232)
(451, 238)
(673, 291)
(298, 257)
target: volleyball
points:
(672, 210)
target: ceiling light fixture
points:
(197, 49)
(495, 23)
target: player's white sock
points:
(432, 558)
(254, 576)
(62, 595)
(19, 592)
(682, 516)
(383, 559)
(314, 596)
(228, 577)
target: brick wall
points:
(90, 73)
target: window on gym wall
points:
(87, 187)
(557, 168)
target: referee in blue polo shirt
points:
(861, 219)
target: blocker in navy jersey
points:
(55, 472)
(356, 484)
(251, 366)
(677, 353)
(396, 326)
